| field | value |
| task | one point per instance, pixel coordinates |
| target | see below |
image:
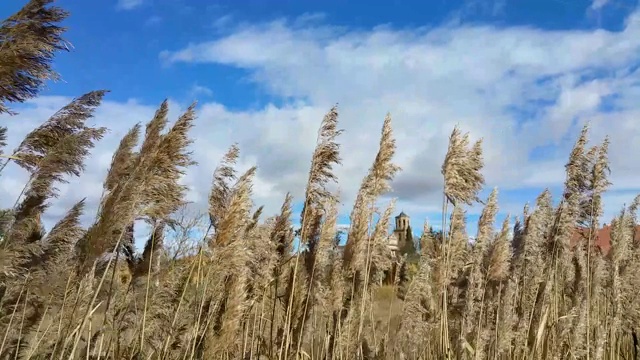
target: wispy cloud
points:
(522, 89)
(199, 90)
(223, 21)
(153, 20)
(129, 4)
(599, 4)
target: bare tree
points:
(186, 230)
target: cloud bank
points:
(526, 91)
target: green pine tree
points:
(409, 246)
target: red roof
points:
(603, 237)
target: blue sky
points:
(523, 74)
(117, 42)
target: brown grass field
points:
(84, 293)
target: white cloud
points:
(129, 4)
(521, 88)
(599, 4)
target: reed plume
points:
(3, 138)
(53, 150)
(223, 175)
(325, 156)
(29, 40)
(462, 181)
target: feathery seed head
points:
(223, 175)
(29, 40)
(123, 158)
(498, 262)
(461, 169)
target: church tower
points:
(398, 242)
(402, 224)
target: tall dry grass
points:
(245, 291)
